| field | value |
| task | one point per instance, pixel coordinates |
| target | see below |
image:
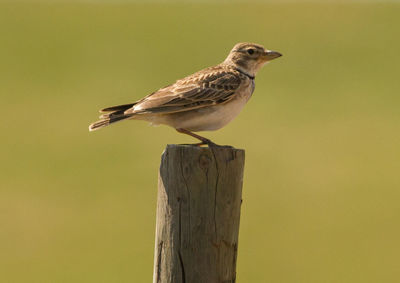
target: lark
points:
(204, 101)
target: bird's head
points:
(250, 57)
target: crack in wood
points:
(159, 258)
(180, 244)
(182, 267)
(215, 205)
(187, 189)
(215, 193)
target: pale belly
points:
(204, 119)
(207, 119)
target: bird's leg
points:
(202, 139)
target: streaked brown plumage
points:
(204, 101)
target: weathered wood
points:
(198, 211)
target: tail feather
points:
(107, 121)
(118, 107)
(99, 124)
(116, 113)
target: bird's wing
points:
(199, 90)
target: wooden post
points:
(198, 211)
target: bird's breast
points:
(212, 118)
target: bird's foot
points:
(204, 141)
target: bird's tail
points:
(111, 115)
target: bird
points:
(204, 101)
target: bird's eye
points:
(250, 51)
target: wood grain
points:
(198, 212)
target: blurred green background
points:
(321, 133)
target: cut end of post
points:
(200, 148)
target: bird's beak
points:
(271, 55)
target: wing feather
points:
(196, 91)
